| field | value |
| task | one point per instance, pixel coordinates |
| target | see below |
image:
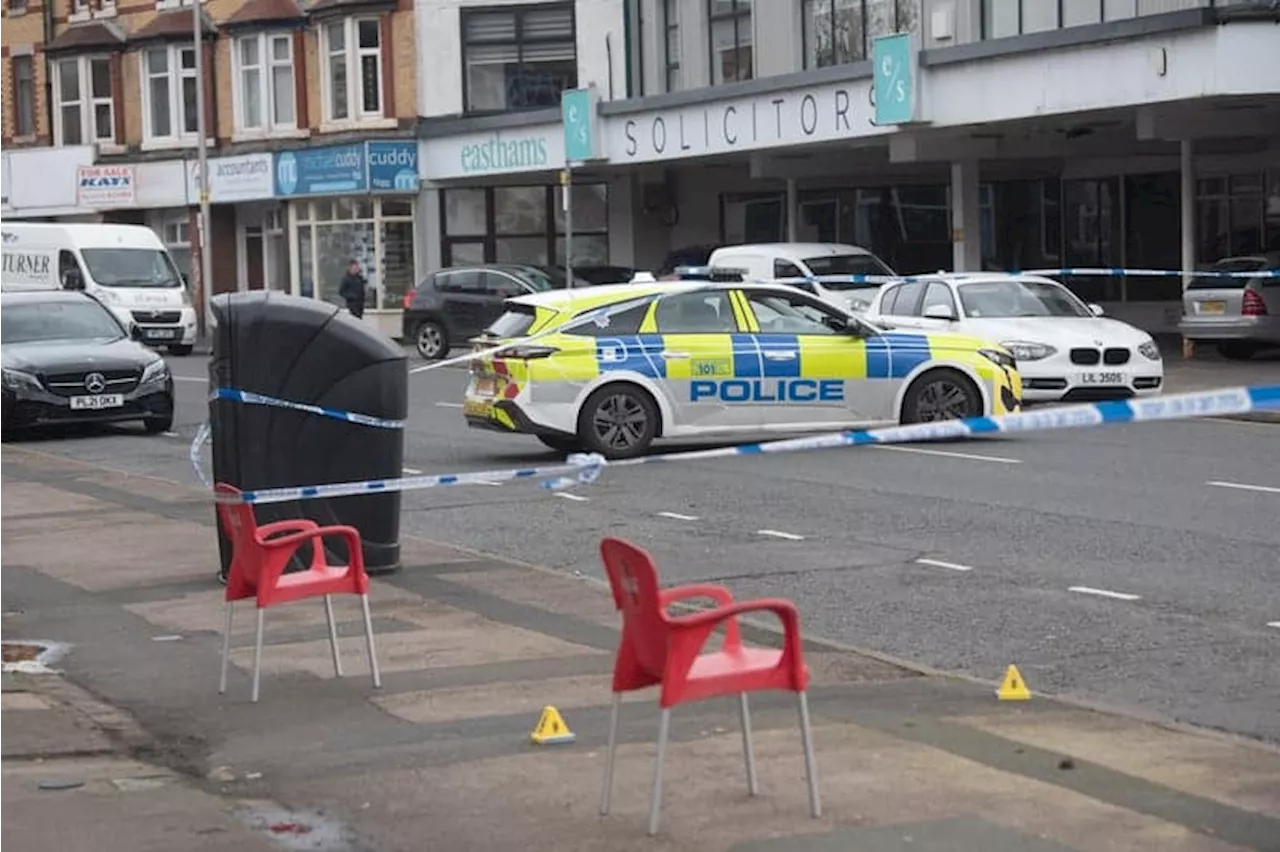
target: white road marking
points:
(676, 516)
(171, 434)
(1103, 593)
(949, 454)
(567, 496)
(938, 563)
(1273, 623)
(166, 638)
(779, 534)
(449, 404)
(486, 482)
(412, 471)
(190, 379)
(1240, 486)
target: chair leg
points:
(748, 747)
(606, 793)
(226, 648)
(257, 655)
(368, 637)
(655, 802)
(333, 636)
(810, 764)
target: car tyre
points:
(941, 394)
(432, 340)
(1237, 351)
(618, 421)
(181, 349)
(156, 425)
(561, 443)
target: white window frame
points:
(352, 53)
(177, 135)
(88, 103)
(165, 5)
(267, 64)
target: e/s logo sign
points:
(768, 390)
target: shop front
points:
(497, 199)
(351, 202)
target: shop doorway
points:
(264, 252)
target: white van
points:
(125, 267)
(784, 261)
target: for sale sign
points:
(106, 186)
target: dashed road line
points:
(676, 516)
(1273, 624)
(171, 434)
(938, 563)
(1241, 486)
(949, 454)
(1105, 593)
(564, 495)
(412, 471)
(780, 534)
(449, 404)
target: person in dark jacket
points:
(352, 289)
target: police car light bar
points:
(710, 273)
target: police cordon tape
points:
(1083, 272)
(584, 468)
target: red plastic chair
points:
(259, 555)
(660, 649)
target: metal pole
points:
(202, 155)
(566, 191)
(1187, 193)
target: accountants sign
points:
(790, 117)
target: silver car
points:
(1240, 315)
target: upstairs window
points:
(24, 96)
(834, 32)
(518, 58)
(264, 83)
(169, 94)
(730, 39)
(83, 108)
(351, 51)
(671, 43)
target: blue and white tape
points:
(249, 398)
(1078, 272)
(586, 468)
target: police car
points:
(610, 369)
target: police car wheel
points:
(431, 340)
(618, 421)
(941, 395)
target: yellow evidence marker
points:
(1014, 688)
(551, 728)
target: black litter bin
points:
(310, 352)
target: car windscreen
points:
(58, 321)
(846, 264)
(131, 267)
(1235, 264)
(1005, 299)
(514, 323)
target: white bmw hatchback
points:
(1066, 350)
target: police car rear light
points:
(528, 353)
(408, 299)
(1253, 305)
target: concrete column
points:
(966, 224)
(793, 210)
(695, 45)
(1186, 152)
(427, 251)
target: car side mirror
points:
(940, 312)
(1095, 309)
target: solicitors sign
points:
(790, 117)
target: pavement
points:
(112, 571)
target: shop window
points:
(376, 233)
(24, 96)
(730, 39)
(175, 233)
(265, 98)
(671, 44)
(752, 218)
(524, 224)
(84, 109)
(1004, 18)
(352, 71)
(1236, 215)
(1092, 236)
(518, 58)
(169, 94)
(834, 32)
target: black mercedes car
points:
(67, 359)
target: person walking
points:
(352, 289)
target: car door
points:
(809, 359)
(900, 304)
(461, 297)
(698, 333)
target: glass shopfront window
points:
(1237, 214)
(376, 232)
(524, 224)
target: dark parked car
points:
(605, 274)
(455, 304)
(67, 359)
